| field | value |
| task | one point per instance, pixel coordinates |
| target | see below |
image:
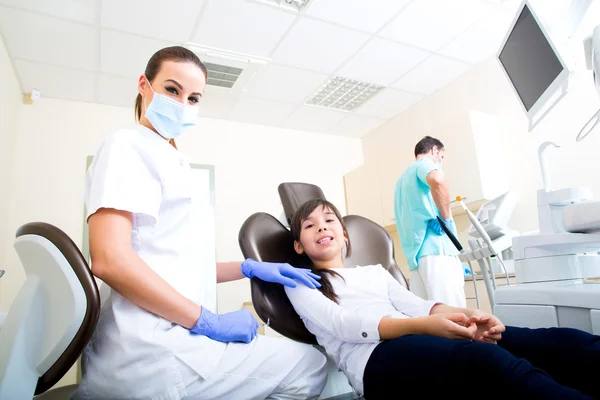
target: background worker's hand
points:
(236, 326)
(282, 273)
(451, 325)
(435, 226)
(489, 327)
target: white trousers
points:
(267, 368)
(439, 278)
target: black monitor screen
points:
(529, 60)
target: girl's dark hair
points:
(299, 216)
(174, 53)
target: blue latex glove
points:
(282, 273)
(236, 326)
(435, 226)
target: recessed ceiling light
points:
(295, 5)
(343, 94)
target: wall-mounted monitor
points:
(533, 65)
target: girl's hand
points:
(489, 327)
(451, 325)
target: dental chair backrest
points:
(53, 316)
(264, 238)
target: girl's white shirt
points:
(349, 330)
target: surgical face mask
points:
(170, 117)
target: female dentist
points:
(154, 340)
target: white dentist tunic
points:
(136, 354)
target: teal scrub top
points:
(413, 209)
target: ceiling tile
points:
(49, 40)
(313, 119)
(480, 41)
(318, 46)
(287, 84)
(158, 19)
(259, 111)
(367, 16)
(215, 104)
(430, 24)
(431, 75)
(56, 82)
(242, 26)
(388, 103)
(356, 126)
(511, 5)
(85, 11)
(116, 90)
(382, 62)
(127, 55)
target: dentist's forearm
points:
(440, 193)
(115, 262)
(133, 279)
(229, 271)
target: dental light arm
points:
(591, 47)
(543, 166)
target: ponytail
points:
(303, 261)
(138, 108)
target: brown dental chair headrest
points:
(294, 194)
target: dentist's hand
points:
(236, 326)
(282, 273)
(435, 226)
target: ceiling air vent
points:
(293, 5)
(228, 72)
(343, 94)
(222, 75)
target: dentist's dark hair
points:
(173, 53)
(425, 145)
(299, 216)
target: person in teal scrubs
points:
(420, 196)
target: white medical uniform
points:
(349, 331)
(136, 354)
(441, 278)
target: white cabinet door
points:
(363, 195)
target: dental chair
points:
(264, 238)
(51, 319)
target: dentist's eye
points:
(171, 90)
(193, 100)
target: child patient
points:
(388, 341)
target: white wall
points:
(486, 90)
(10, 104)
(54, 138)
